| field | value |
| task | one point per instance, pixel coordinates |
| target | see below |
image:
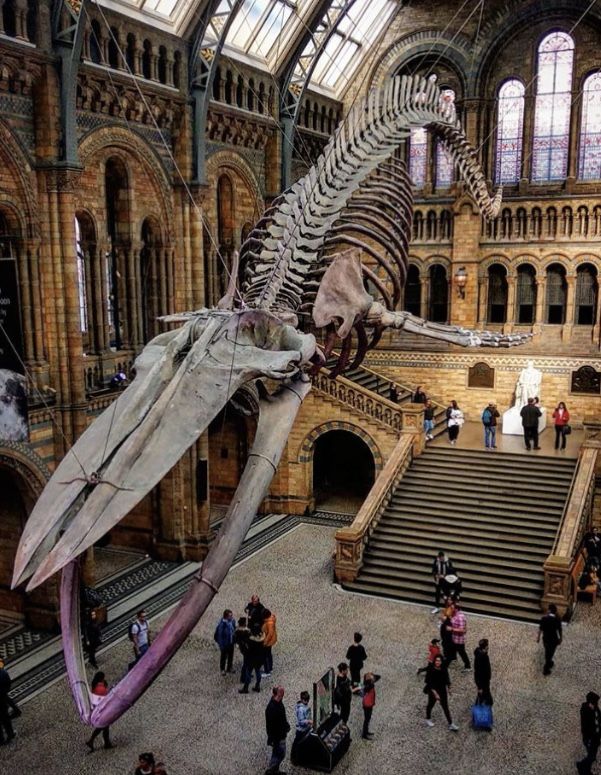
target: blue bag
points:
(482, 716)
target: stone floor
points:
(198, 723)
(471, 436)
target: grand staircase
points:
(494, 514)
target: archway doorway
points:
(343, 471)
(14, 510)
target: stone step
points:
(533, 519)
(431, 543)
(447, 470)
(422, 562)
(521, 461)
(472, 529)
(422, 477)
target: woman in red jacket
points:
(561, 417)
(100, 689)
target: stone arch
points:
(21, 458)
(308, 445)
(455, 51)
(586, 258)
(497, 258)
(17, 159)
(119, 142)
(222, 160)
(556, 258)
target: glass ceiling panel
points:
(259, 24)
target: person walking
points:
(139, 632)
(356, 656)
(561, 419)
(550, 630)
(441, 567)
(459, 625)
(489, 420)
(429, 420)
(100, 689)
(343, 692)
(419, 397)
(255, 659)
(7, 732)
(483, 672)
(530, 414)
(433, 651)
(368, 694)
(93, 638)
(590, 725)
(271, 638)
(438, 687)
(455, 420)
(304, 722)
(277, 730)
(224, 638)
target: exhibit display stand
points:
(323, 747)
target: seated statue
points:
(528, 385)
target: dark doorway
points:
(13, 515)
(343, 471)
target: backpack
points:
(130, 629)
(486, 416)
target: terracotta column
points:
(511, 296)
(566, 331)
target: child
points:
(433, 651)
(356, 656)
(368, 692)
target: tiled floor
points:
(196, 721)
(471, 436)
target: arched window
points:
(439, 294)
(444, 160)
(240, 92)
(250, 102)
(497, 294)
(121, 326)
(146, 57)
(413, 288)
(589, 165)
(162, 64)
(526, 294)
(81, 279)
(95, 45)
(130, 52)
(11, 315)
(229, 87)
(177, 69)
(217, 84)
(552, 108)
(556, 294)
(152, 279)
(418, 155)
(113, 47)
(9, 18)
(510, 128)
(225, 228)
(418, 226)
(586, 295)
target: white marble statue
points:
(528, 385)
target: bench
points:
(576, 573)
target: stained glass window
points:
(418, 155)
(510, 127)
(444, 161)
(589, 165)
(552, 108)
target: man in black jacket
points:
(590, 724)
(550, 629)
(441, 567)
(530, 414)
(277, 729)
(483, 672)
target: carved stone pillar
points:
(33, 252)
(86, 52)
(154, 67)
(21, 20)
(169, 62)
(541, 298)
(104, 48)
(511, 298)
(138, 53)
(413, 422)
(2, 31)
(566, 331)
(423, 296)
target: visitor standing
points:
(100, 689)
(437, 687)
(277, 729)
(368, 694)
(561, 419)
(550, 630)
(419, 397)
(530, 414)
(590, 725)
(343, 693)
(455, 420)
(6, 728)
(255, 658)
(446, 636)
(224, 638)
(489, 420)
(271, 638)
(356, 656)
(429, 420)
(483, 672)
(459, 625)
(441, 567)
(93, 637)
(139, 632)
(304, 722)
(255, 610)
(241, 636)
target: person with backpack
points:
(224, 638)
(139, 634)
(489, 421)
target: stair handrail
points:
(575, 518)
(352, 540)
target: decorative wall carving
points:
(481, 375)
(586, 380)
